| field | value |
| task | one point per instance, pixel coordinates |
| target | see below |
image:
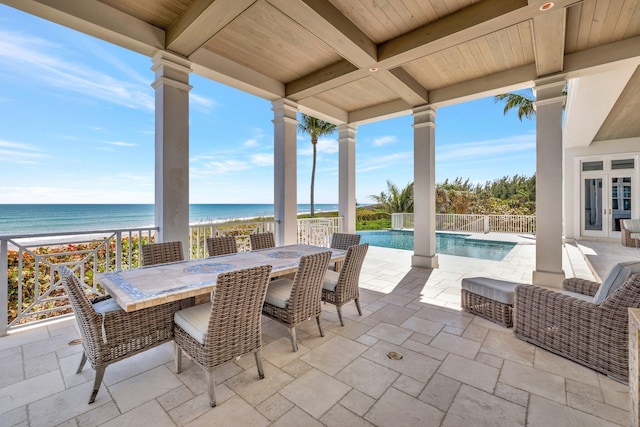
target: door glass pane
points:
(593, 204)
(620, 201)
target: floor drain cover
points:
(76, 341)
(394, 355)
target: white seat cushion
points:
(279, 292)
(493, 289)
(106, 306)
(194, 320)
(330, 281)
(633, 225)
(618, 275)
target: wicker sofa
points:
(628, 227)
(587, 322)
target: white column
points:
(424, 187)
(347, 176)
(549, 245)
(172, 147)
(285, 204)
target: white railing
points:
(27, 268)
(457, 222)
(318, 231)
(199, 232)
(513, 223)
(472, 223)
(27, 261)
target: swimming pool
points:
(446, 243)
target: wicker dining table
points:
(154, 285)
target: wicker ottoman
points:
(489, 298)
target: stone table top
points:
(154, 285)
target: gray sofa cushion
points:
(494, 289)
(619, 273)
(577, 295)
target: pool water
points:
(446, 243)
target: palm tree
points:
(522, 101)
(396, 200)
(315, 128)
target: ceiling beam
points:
(225, 71)
(326, 22)
(385, 111)
(402, 83)
(603, 58)
(494, 84)
(99, 20)
(338, 74)
(201, 21)
(548, 33)
(587, 62)
(459, 27)
(323, 110)
(467, 24)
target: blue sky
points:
(77, 126)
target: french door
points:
(606, 200)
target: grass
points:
(367, 218)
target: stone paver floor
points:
(457, 369)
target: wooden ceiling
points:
(362, 60)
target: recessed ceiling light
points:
(548, 5)
(373, 69)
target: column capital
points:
(550, 87)
(164, 58)
(171, 70)
(347, 132)
(284, 110)
(424, 116)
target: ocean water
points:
(33, 219)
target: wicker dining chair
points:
(342, 241)
(262, 241)
(110, 334)
(223, 245)
(220, 332)
(291, 302)
(161, 253)
(579, 324)
(340, 288)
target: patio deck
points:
(457, 369)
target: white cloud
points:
(384, 140)
(121, 144)
(41, 62)
(251, 142)
(262, 159)
(488, 148)
(216, 167)
(324, 146)
(381, 162)
(202, 102)
(19, 152)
